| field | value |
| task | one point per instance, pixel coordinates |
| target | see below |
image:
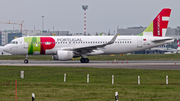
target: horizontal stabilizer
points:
(163, 39)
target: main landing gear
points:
(84, 60)
(26, 59)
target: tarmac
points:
(157, 65)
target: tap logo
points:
(39, 45)
(47, 43)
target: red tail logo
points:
(160, 23)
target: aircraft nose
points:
(6, 49)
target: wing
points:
(90, 48)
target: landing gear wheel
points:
(84, 60)
(26, 61)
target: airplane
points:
(67, 47)
(161, 49)
(178, 45)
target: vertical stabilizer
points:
(159, 25)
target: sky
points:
(68, 15)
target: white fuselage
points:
(122, 44)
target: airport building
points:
(7, 36)
(45, 33)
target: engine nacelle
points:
(63, 55)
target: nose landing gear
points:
(26, 59)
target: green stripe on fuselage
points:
(33, 44)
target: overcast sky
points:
(102, 15)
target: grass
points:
(48, 85)
(165, 57)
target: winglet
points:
(113, 39)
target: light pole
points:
(84, 7)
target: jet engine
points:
(63, 55)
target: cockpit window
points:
(13, 42)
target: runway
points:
(159, 65)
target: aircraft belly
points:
(117, 49)
(49, 52)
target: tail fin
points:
(159, 25)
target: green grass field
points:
(48, 85)
(165, 57)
